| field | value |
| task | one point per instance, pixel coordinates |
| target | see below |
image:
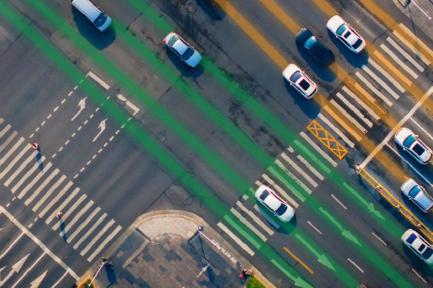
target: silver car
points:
(418, 245)
(182, 49)
(410, 143)
(274, 203)
(417, 194)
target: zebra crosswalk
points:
(45, 189)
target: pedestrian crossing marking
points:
(327, 139)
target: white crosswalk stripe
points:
(35, 180)
(96, 237)
(76, 217)
(354, 109)
(56, 198)
(48, 193)
(254, 217)
(8, 141)
(69, 211)
(382, 83)
(360, 103)
(318, 149)
(299, 170)
(348, 116)
(104, 243)
(328, 123)
(26, 176)
(83, 224)
(247, 223)
(5, 130)
(405, 54)
(372, 88)
(10, 152)
(41, 187)
(391, 79)
(23, 165)
(90, 231)
(397, 60)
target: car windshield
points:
(310, 42)
(304, 84)
(409, 141)
(100, 20)
(341, 29)
(427, 253)
(421, 247)
(188, 53)
(411, 238)
(264, 195)
(414, 191)
(418, 149)
(357, 43)
(280, 211)
(295, 77)
(172, 40)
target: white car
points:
(417, 194)
(274, 203)
(410, 142)
(418, 245)
(298, 80)
(346, 34)
(182, 49)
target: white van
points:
(96, 16)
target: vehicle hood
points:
(401, 135)
(334, 22)
(407, 186)
(194, 60)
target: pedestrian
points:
(59, 215)
(35, 146)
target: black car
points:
(312, 45)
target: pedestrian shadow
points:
(63, 230)
(111, 274)
(39, 160)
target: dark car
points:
(312, 45)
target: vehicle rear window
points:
(264, 195)
(414, 191)
(409, 141)
(280, 211)
(172, 40)
(418, 149)
(188, 53)
(427, 253)
(304, 84)
(357, 43)
(341, 29)
(295, 77)
(100, 20)
(411, 238)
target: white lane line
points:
(60, 280)
(12, 150)
(75, 219)
(8, 141)
(409, 164)
(12, 245)
(299, 170)
(336, 130)
(98, 80)
(14, 161)
(248, 224)
(372, 88)
(318, 149)
(55, 199)
(392, 132)
(4, 130)
(90, 231)
(291, 175)
(104, 243)
(360, 103)
(356, 265)
(348, 116)
(398, 61)
(419, 276)
(83, 224)
(314, 227)
(28, 270)
(96, 238)
(414, 49)
(278, 189)
(255, 218)
(39, 243)
(236, 239)
(338, 201)
(382, 83)
(42, 186)
(63, 205)
(310, 167)
(391, 79)
(267, 217)
(380, 239)
(17, 171)
(355, 110)
(34, 180)
(26, 176)
(49, 192)
(422, 129)
(405, 54)
(69, 212)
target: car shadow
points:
(286, 228)
(99, 40)
(310, 107)
(186, 71)
(416, 262)
(212, 9)
(356, 60)
(321, 71)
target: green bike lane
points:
(149, 144)
(332, 220)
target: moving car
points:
(346, 34)
(410, 142)
(314, 47)
(418, 245)
(417, 194)
(96, 16)
(182, 49)
(274, 203)
(298, 80)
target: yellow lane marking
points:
(391, 67)
(416, 41)
(338, 117)
(278, 12)
(252, 32)
(296, 258)
(327, 139)
(411, 46)
(365, 96)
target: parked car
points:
(410, 143)
(182, 49)
(418, 245)
(346, 34)
(274, 203)
(93, 13)
(298, 80)
(417, 194)
(314, 47)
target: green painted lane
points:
(146, 141)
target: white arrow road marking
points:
(12, 245)
(37, 282)
(28, 270)
(102, 125)
(16, 268)
(81, 106)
